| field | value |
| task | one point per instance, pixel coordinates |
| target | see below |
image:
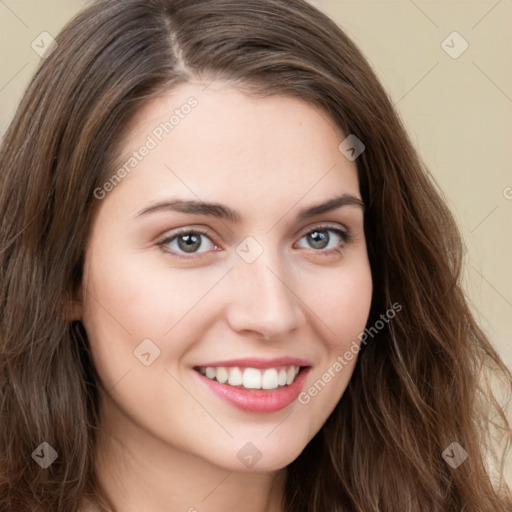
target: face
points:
(216, 329)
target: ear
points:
(75, 304)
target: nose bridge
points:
(262, 299)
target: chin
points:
(266, 455)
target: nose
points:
(262, 298)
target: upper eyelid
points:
(326, 225)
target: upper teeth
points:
(252, 378)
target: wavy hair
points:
(423, 382)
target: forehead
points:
(214, 140)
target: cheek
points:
(126, 315)
(354, 307)
(343, 305)
(132, 298)
(135, 292)
(343, 311)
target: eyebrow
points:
(221, 211)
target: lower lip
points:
(256, 400)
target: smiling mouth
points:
(251, 378)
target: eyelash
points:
(344, 235)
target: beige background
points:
(458, 111)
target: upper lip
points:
(258, 362)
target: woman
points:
(228, 282)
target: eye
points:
(320, 239)
(186, 241)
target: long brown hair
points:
(420, 384)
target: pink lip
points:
(253, 400)
(258, 362)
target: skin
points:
(166, 439)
